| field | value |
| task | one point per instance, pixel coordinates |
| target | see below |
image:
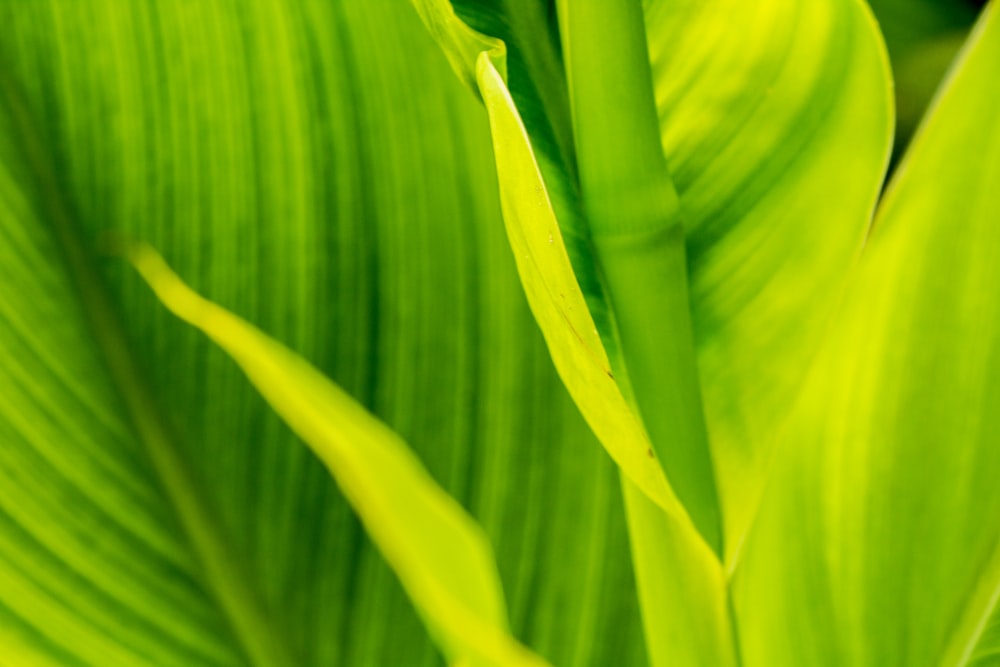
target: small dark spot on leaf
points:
(649, 453)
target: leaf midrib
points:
(222, 576)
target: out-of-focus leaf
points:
(923, 37)
(682, 589)
(878, 541)
(315, 168)
(987, 651)
(776, 123)
(907, 24)
(917, 73)
(439, 553)
(754, 101)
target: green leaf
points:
(682, 589)
(550, 284)
(753, 103)
(661, 529)
(987, 651)
(442, 557)
(878, 541)
(907, 24)
(922, 37)
(556, 299)
(290, 161)
(577, 350)
(637, 234)
(756, 102)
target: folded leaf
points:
(879, 539)
(659, 525)
(552, 289)
(557, 302)
(754, 102)
(576, 348)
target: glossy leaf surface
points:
(753, 138)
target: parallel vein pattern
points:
(887, 472)
(296, 169)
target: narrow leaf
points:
(637, 231)
(441, 556)
(556, 299)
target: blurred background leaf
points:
(316, 168)
(923, 37)
(881, 524)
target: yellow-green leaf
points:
(439, 553)
(878, 543)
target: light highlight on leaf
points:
(880, 524)
(440, 555)
(682, 590)
(556, 300)
(775, 120)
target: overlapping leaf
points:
(754, 102)
(776, 124)
(922, 37)
(441, 556)
(291, 160)
(882, 521)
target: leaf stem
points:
(637, 233)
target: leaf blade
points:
(754, 103)
(440, 554)
(888, 466)
(264, 151)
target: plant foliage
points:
(478, 243)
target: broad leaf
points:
(775, 120)
(923, 37)
(289, 160)
(879, 540)
(754, 102)
(682, 589)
